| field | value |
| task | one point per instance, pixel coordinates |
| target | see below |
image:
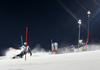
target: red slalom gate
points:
(87, 41)
(26, 42)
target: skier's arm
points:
(20, 47)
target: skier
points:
(23, 51)
(72, 48)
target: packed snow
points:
(87, 60)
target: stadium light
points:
(89, 13)
(79, 22)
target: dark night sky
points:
(46, 20)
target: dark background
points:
(46, 20)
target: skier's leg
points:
(16, 56)
(29, 50)
(20, 55)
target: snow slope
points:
(70, 61)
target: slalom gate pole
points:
(26, 42)
(51, 45)
(87, 41)
(22, 40)
(22, 44)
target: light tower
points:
(79, 22)
(89, 13)
(88, 29)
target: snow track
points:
(70, 61)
